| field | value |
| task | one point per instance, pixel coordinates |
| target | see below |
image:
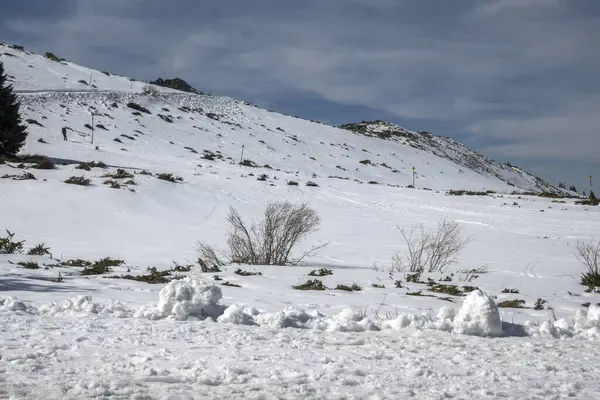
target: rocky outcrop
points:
(177, 84)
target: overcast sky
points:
(517, 80)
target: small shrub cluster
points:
(102, 266)
(77, 263)
(112, 184)
(452, 290)
(39, 250)
(353, 288)
(512, 304)
(10, 246)
(87, 166)
(248, 163)
(169, 177)
(314, 284)
(29, 265)
(539, 304)
(154, 276)
(513, 291)
(119, 174)
(25, 176)
(320, 272)
(37, 161)
(79, 180)
(241, 272)
(469, 193)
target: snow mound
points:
(84, 304)
(292, 317)
(349, 320)
(11, 303)
(585, 324)
(478, 316)
(442, 321)
(238, 315)
(185, 299)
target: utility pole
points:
(591, 190)
(92, 112)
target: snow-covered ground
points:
(102, 337)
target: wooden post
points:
(413, 169)
(591, 190)
(242, 156)
(92, 112)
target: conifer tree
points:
(12, 133)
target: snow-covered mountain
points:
(184, 126)
(451, 149)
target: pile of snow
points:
(478, 316)
(585, 324)
(442, 321)
(185, 299)
(195, 298)
(198, 299)
(84, 304)
(12, 304)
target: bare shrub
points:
(271, 241)
(588, 253)
(208, 259)
(427, 250)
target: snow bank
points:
(184, 299)
(585, 324)
(84, 304)
(197, 299)
(477, 316)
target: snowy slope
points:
(449, 148)
(219, 123)
(103, 337)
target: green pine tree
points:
(12, 133)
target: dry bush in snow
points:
(208, 259)
(271, 241)
(588, 253)
(427, 250)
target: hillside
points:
(57, 93)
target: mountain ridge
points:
(63, 93)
